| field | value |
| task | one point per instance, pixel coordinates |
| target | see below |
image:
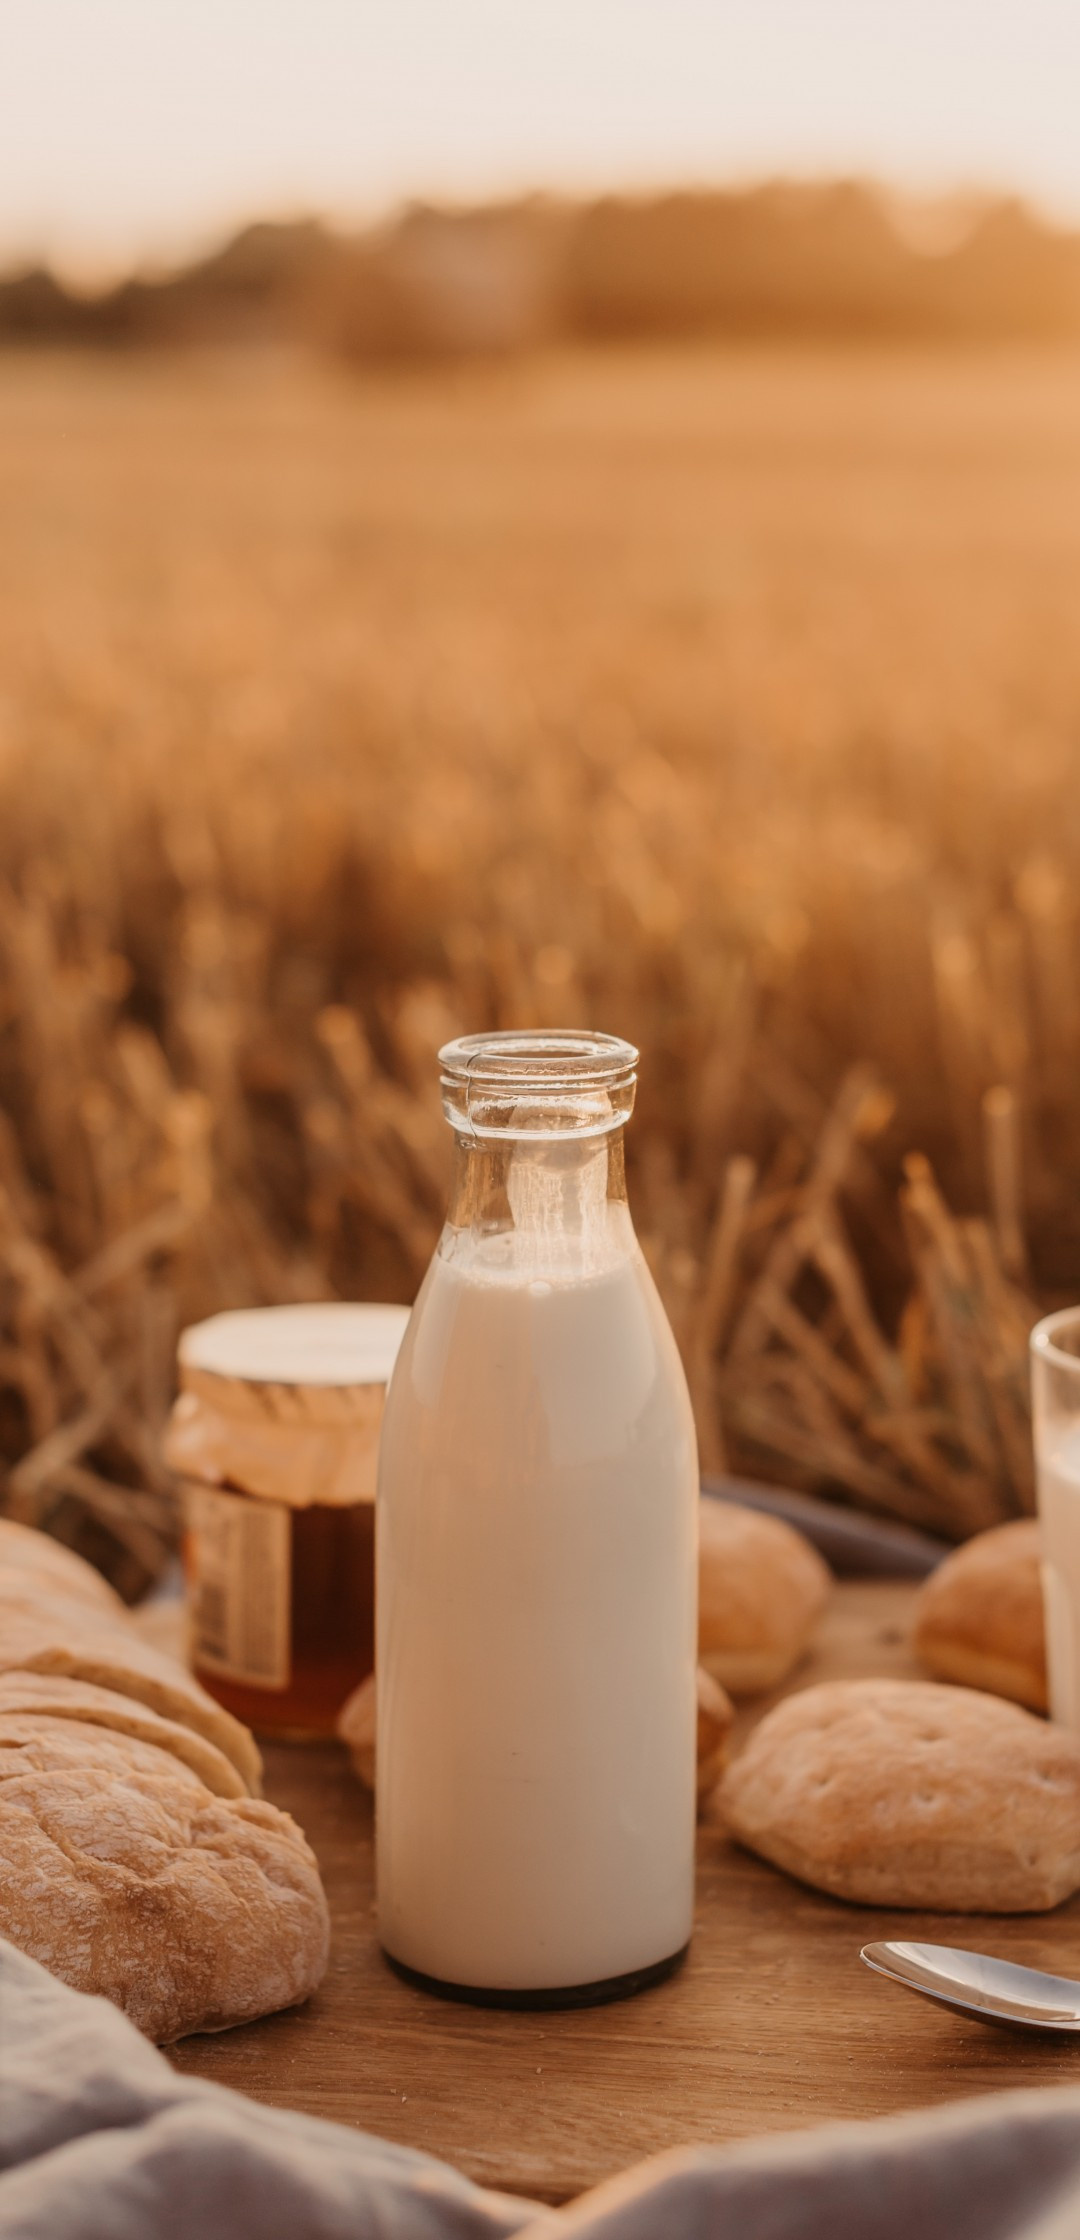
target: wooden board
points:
(773, 2024)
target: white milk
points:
(537, 1612)
(1059, 1514)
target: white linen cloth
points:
(100, 2139)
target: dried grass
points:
(726, 701)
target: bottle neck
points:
(559, 1197)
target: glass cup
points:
(1055, 1384)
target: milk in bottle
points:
(536, 1559)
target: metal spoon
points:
(995, 1990)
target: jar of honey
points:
(274, 1437)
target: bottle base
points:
(546, 2001)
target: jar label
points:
(239, 1558)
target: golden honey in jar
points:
(274, 1437)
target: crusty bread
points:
(48, 1695)
(356, 1729)
(42, 1631)
(762, 1588)
(191, 1912)
(715, 1714)
(38, 1555)
(133, 1861)
(904, 1793)
(979, 1618)
(33, 1743)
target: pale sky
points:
(139, 129)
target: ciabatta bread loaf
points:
(191, 1912)
(36, 1557)
(133, 1861)
(979, 1618)
(904, 1793)
(49, 1632)
(48, 1695)
(33, 1742)
(761, 1590)
(24, 1550)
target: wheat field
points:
(726, 700)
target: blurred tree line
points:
(833, 261)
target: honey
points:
(331, 1625)
(274, 1438)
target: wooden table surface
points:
(772, 2024)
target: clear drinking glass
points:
(536, 1530)
(1055, 1382)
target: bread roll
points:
(38, 1557)
(762, 1588)
(715, 1713)
(190, 1912)
(979, 1618)
(904, 1793)
(47, 1695)
(356, 1729)
(46, 1632)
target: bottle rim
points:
(551, 1081)
(550, 1061)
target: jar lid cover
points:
(324, 1344)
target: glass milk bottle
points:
(536, 1564)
